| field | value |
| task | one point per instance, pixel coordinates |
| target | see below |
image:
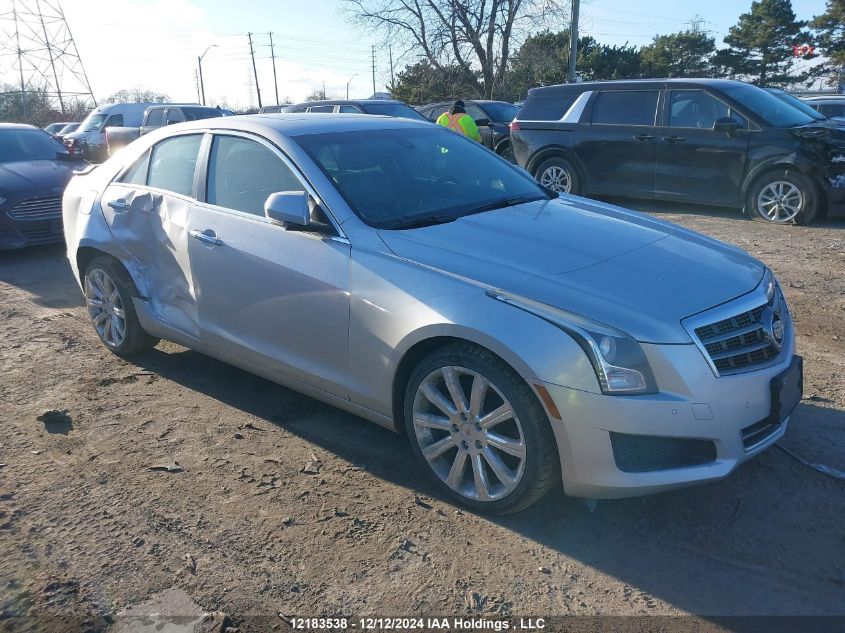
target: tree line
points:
(469, 48)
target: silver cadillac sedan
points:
(399, 271)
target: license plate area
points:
(787, 389)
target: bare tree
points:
(474, 35)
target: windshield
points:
(500, 112)
(393, 109)
(93, 122)
(767, 106)
(784, 96)
(23, 145)
(391, 177)
(196, 114)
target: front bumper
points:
(22, 232)
(693, 404)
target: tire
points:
(783, 197)
(558, 174)
(108, 295)
(521, 447)
(507, 153)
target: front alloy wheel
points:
(474, 443)
(480, 430)
(780, 201)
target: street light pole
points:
(199, 63)
(349, 82)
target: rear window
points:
(546, 108)
(625, 107)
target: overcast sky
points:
(154, 44)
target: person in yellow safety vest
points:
(457, 120)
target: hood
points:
(35, 174)
(619, 267)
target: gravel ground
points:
(88, 529)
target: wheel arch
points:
(418, 344)
(784, 163)
(86, 253)
(561, 151)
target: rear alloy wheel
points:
(480, 430)
(558, 174)
(108, 294)
(783, 198)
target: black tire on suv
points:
(783, 196)
(558, 174)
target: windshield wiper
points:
(419, 222)
(505, 202)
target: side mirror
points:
(726, 125)
(288, 208)
(482, 122)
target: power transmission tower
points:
(695, 23)
(254, 69)
(36, 39)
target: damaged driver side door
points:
(147, 208)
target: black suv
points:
(707, 141)
(491, 117)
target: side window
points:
(321, 108)
(137, 174)
(173, 162)
(625, 107)
(155, 118)
(115, 120)
(546, 108)
(242, 173)
(349, 109)
(436, 112)
(695, 109)
(475, 112)
(175, 115)
(831, 109)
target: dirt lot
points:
(87, 528)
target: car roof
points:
(481, 101)
(633, 83)
(833, 98)
(295, 124)
(17, 126)
(363, 102)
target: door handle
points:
(644, 137)
(119, 205)
(674, 139)
(208, 237)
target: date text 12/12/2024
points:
(409, 624)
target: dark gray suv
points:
(706, 141)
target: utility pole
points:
(273, 56)
(254, 69)
(573, 41)
(197, 85)
(392, 78)
(373, 49)
(199, 65)
(324, 89)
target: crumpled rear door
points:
(152, 227)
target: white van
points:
(90, 136)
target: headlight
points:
(618, 360)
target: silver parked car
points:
(406, 274)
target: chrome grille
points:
(740, 342)
(37, 209)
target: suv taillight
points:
(514, 126)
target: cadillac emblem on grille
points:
(773, 328)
